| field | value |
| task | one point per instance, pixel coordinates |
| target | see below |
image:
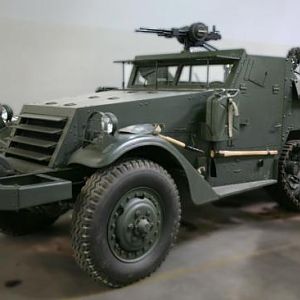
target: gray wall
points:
(56, 48)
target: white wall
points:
(55, 48)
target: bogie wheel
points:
(289, 176)
(125, 221)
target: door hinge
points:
(275, 89)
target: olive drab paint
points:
(237, 110)
(255, 107)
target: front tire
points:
(125, 221)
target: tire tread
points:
(86, 205)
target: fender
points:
(105, 153)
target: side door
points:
(260, 105)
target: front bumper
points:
(24, 191)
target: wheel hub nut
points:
(143, 226)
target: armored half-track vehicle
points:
(188, 128)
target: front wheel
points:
(125, 221)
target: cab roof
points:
(229, 56)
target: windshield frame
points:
(180, 65)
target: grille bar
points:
(33, 142)
(35, 137)
(29, 154)
(43, 117)
(47, 130)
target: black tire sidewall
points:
(10, 112)
(103, 258)
(2, 123)
(284, 195)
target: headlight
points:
(100, 124)
(109, 123)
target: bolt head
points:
(130, 226)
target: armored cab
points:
(189, 128)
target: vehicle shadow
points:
(251, 207)
(42, 265)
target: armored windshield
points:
(184, 75)
(162, 76)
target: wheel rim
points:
(292, 170)
(135, 224)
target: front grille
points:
(36, 137)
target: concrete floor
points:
(243, 248)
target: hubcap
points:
(135, 224)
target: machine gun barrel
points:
(169, 33)
(159, 32)
(196, 35)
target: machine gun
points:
(195, 35)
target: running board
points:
(232, 189)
